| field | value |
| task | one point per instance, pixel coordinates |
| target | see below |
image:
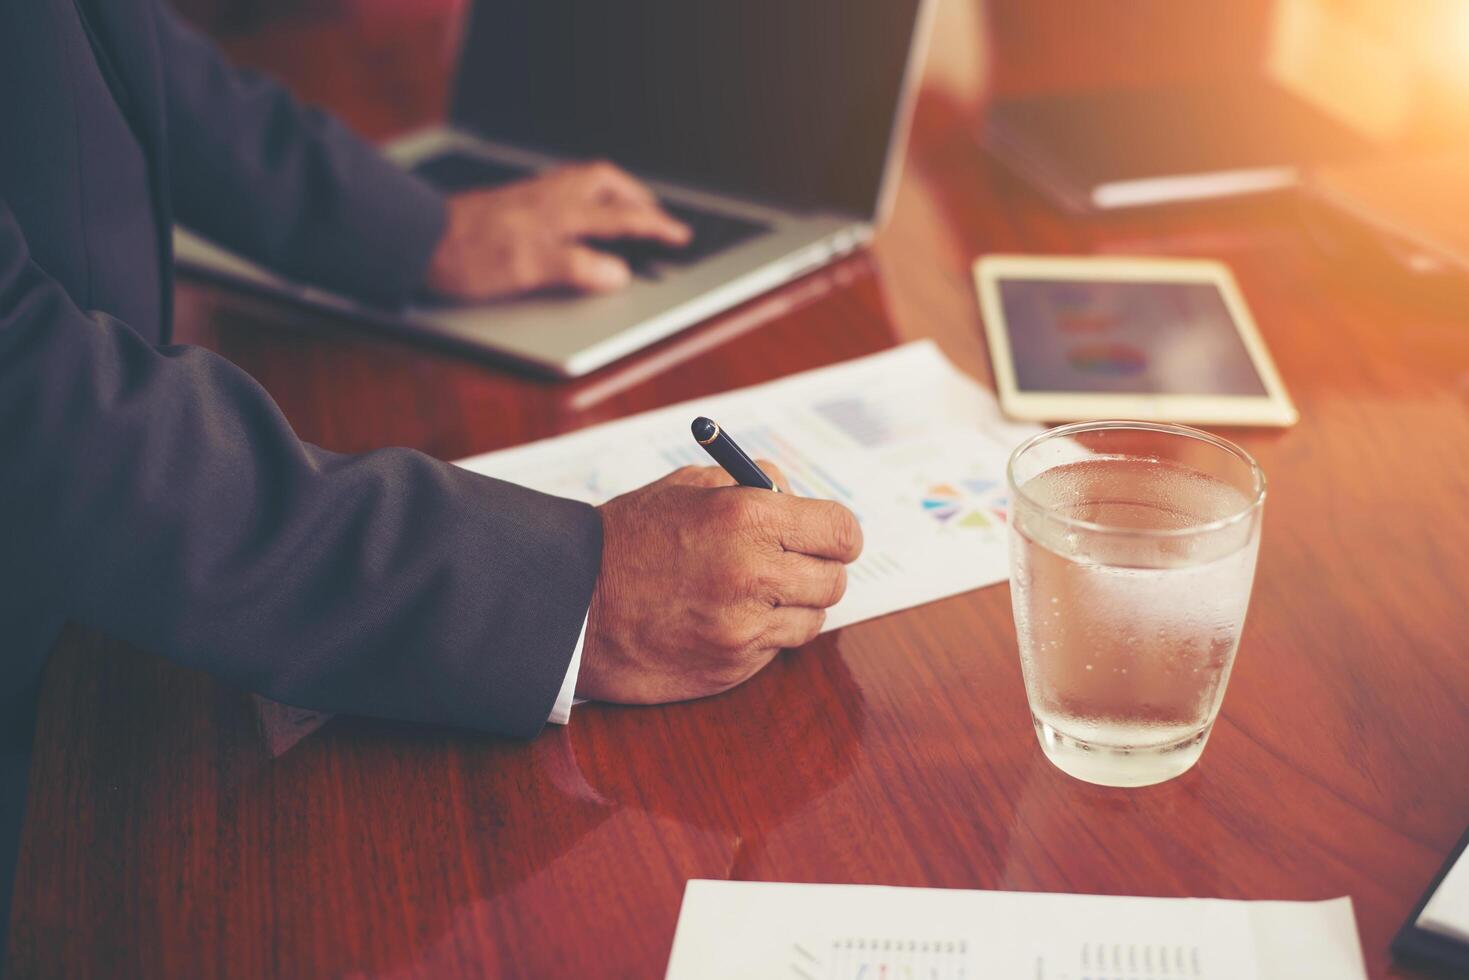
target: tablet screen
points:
(1143, 338)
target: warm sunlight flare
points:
(1461, 36)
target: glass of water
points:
(1132, 554)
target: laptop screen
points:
(789, 101)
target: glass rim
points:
(1257, 499)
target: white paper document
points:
(913, 446)
(730, 929)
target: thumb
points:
(589, 270)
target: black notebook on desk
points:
(1438, 930)
(1121, 148)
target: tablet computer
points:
(1166, 340)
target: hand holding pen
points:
(703, 583)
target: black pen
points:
(736, 463)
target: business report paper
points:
(730, 929)
(913, 446)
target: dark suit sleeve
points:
(158, 494)
(286, 185)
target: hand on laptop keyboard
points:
(534, 234)
(711, 232)
(642, 256)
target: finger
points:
(800, 580)
(792, 627)
(700, 476)
(775, 473)
(601, 180)
(624, 220)
(588, 269)
(480, 284)
(821, 528)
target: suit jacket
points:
(155, 492)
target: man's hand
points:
(531, 234)
(703, 582)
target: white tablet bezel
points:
(1274, 408)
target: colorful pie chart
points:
(975, 503)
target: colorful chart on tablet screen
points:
(1113, 359)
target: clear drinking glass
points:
(1132, 554)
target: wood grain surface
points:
(165, 838)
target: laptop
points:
(772, 128)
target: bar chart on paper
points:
(913, 447)
(730, 929)
(887, 958)
(874, 958)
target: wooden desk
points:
(165, 840)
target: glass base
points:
(1126, 766)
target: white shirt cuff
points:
(561, 711)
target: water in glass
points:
(1127, 637)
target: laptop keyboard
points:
(713, 231)
(460, 172)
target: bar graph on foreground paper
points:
(874, 958)
(888, 958)
(728, 930)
